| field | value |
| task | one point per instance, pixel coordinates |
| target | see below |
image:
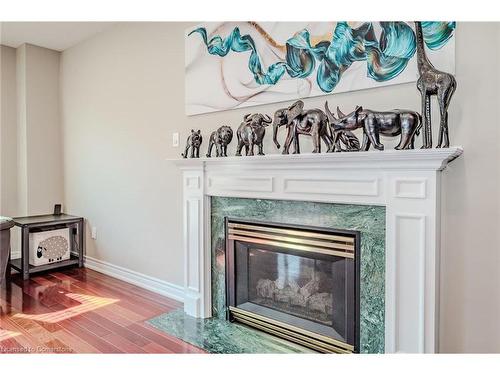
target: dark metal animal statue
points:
(433, 82)
(397, 122)
(251, 133)
(193, 142)
(312, 122)
(347, 138)
(220, 139)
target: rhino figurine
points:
(398, 122)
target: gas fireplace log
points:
(290, 292)
(298, 300)
(284, 295)
(266, 288)
(310, 288)
(295, 287)
(321, 302)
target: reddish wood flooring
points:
(82, 311)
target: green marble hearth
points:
(221, 337)
(216, 335)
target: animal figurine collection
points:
(336, 132)
(220, 139)
(193, 142)
(251, 133)
(394, 123)
(313, 123)
(433, 82)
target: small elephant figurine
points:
(393, 123)
(193, 142)
(220, 138)
(251, 133)
(312, 122)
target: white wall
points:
(32, 180)
(40, 130)
(30, 134)
(22, 130)
(470, 262)
(8, 132)
(122, 96)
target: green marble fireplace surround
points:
(217, 335)
(367, 219)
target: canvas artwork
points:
(240, 64)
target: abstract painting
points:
(240, 64)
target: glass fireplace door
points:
(292, 289)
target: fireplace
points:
(296, 282)
(392, 197)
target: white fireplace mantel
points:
(406, 182)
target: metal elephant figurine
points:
(193, 142)
(312, 122)
(405, 123)
(251, 133)
(220, 139)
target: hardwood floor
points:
(82, 311)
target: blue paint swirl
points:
(386, 57)
(242, 43)
(389, 57)
(437, 34)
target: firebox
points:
(300, 283)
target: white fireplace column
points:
(197, 245)
(406, 182)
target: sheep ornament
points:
(53, 248)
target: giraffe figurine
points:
(433, 82)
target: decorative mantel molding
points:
(429, 159)
(406, 182)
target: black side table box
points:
(42, 222)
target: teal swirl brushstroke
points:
(301, 56)
(389, 57)
(346, 47)
(397, 40)
(386, 57)
(242, 43)
(436, 34)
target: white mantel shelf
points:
(420, 159)
(407, 183)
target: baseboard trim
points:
(147, 282)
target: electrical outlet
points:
(175, 139)
(94, 233)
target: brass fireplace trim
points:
(300, 336)
(303, 240)
(296, 340)
(293, 246)
(292, 232)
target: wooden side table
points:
(29, 223)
